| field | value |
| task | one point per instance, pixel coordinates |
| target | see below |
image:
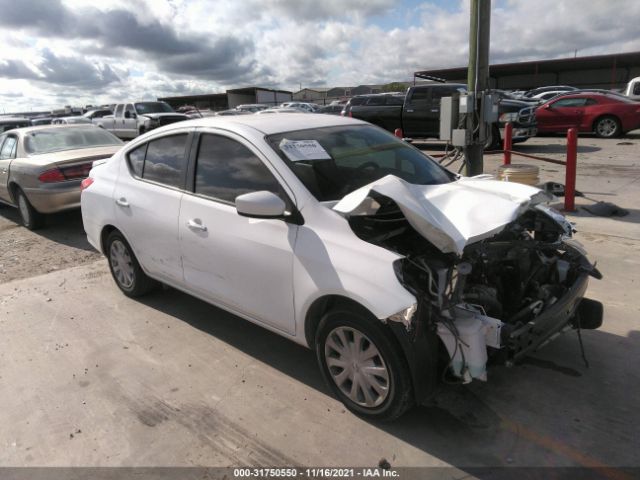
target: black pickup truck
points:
(417, 112)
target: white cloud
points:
(97, 52)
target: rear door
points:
(147, 198)
(244, 264)
(8, 147)
(414, 112)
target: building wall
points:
(236, 99)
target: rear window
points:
(165, 161)
(60, 139)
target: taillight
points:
(51, 176)
(61, 174)
(86, 183)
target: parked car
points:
(341, 237)
(546, 96)
(71, 120)
(305, 106)
(40, 121)
(41, 167)
(232, 112)
(331, 109)
(252, 107)
(549, 88)
(97, 113)
(418, 112)
(280, 110)
(633, 89)
(9, 123)
(606, 115)
(132, 119)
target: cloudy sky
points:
(59, 52)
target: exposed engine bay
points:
(501, 297)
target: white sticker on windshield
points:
(297, 150)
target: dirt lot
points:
(92, 378)
(24, 254)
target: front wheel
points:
(363, 365)
(125, 269)
(31, 218)
(608, 127)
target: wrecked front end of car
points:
(494, 271)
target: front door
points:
(241, 263)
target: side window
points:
(394, 100)
(226, 169)
(130, 109)
(419, 95)
(165, 161)
(136, 160)
(8, 148)
(570, 102)
(438, 92)
(636, 88)
(374, 101)
(590, 101)
(119, 110)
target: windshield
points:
(153, 107)
(59, 139)
(349, 157)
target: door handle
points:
(196, 224)
(122, 202)
(435, 110)
(409, 110)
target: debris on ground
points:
(556, 189)
(606, 209)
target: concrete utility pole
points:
(477, 82)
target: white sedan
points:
(345, 239)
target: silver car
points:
(41, 167)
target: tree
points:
(394, 87)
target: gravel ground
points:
(61, 244)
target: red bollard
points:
(570, 179)
(508, 143)
(398, 133)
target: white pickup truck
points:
(132, 119)
(633, 89)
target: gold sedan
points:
(41, 167)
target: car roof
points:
(268, 124)
(36, 128)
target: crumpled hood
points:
(450, 215)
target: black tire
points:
(399, 392)
(30, 217)
(141, 131)
(124, 267)
(496, 141)
(607, 127)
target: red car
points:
(606, 115)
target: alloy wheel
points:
(607, 127)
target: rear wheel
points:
(608, 127)
(125, 269)
(31, 218)
(363, 365)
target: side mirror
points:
(548, 106)
(127, 114)
(260, 204)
